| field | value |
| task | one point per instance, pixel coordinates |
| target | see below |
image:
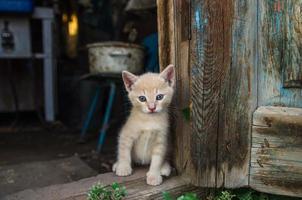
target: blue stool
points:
(110, 81)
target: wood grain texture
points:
(205, 93)
(293, 43)
(276, 161)
(175, 186)
(210, 65)
(278, 54)
(239, 97)
(182, 147)
(166, 26)
(224, 90)
(235, 52)
(174, 46)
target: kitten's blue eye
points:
(142, 98)
(159, 97)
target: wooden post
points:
(238, 96)
(182, 128)
(224, 90)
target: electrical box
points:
(15, 39)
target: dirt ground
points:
(27, 141)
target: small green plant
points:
(167, 196)
(186, 196)
(247, 195)
(99, 192)
(225, 195)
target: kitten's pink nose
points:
(152, 107)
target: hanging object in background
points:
(71, 29)
(114, 57)
(134, 5)
(131, 31)
(73, 25)
(71, 32)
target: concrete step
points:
(14, 178)
(76, 189)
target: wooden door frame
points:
(174, 42)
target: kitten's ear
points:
(129, 79)
(169, 74)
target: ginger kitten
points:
(143, 138)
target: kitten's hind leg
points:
(114, 167)
(165, 169)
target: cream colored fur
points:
(143, 138)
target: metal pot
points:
(114, 57)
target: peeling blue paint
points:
(277, 56)
(277, 19)
(199, 22)
(197, 19)
(199, 26)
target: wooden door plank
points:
(274, 59)
(212, 91)
(269, 57)
(293, 44)
(206, 69)
(276, 161)
(239, 96)
(224, 90)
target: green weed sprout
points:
(99, 192)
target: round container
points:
(114, 57)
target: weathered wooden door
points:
(276, 151)
(233, 57)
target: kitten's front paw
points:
(122, 169)
(154, 178)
